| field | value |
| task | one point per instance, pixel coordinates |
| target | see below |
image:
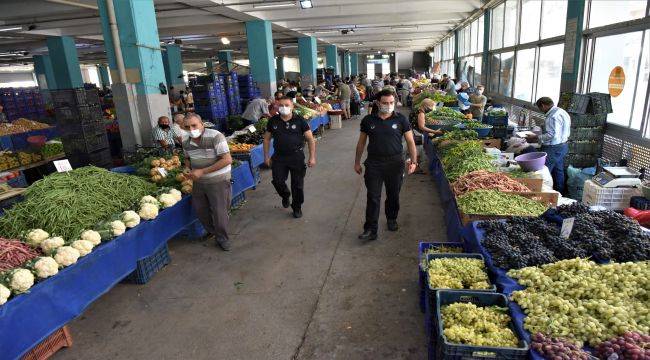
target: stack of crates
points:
(232, 92)
(588, 120)
(22, 103)
(210, 99)
(80, 122)
(499, 125)
(247, 89)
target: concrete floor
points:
(289, 289)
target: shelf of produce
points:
(36, 164)
(27, 319)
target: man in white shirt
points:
(557, 128)
(255, 110)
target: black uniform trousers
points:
(388, 171)
(281, 166)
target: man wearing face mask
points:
(289, 132)
(477, 103)
(207, 163)
(385, 163)
(163, 135)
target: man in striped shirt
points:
(207, 160)
(163, 135)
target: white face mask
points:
(386, 109)
(194, 133)
(284, 110)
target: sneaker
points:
(223, 244)
(392, 225)
(368, 235)
(297, 213)
(286, 201)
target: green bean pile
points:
(64, 204)
(494, 202)
(465, 157)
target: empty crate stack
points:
(22, 103)
(81, 125)
(210, 100)
(232, 92)
(247, 89)
(588, 119)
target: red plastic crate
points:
(57, 340)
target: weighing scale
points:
(617, 176)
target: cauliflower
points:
(93, 236)
(48, 245)
(20, 280)
(83, 246)
(130, 218)
(45, 267)
(66, 255)
(4, 294)
(117, 228)
(149, 200)
(36, 236)
(148, 211)
(167, 200)
(177, 194)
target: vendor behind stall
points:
(426, 106)
(163, 135)
(255, 110)
(557, 128)
(477, 103)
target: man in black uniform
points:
(289, 132)
(385, 162)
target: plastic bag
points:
(576, 180)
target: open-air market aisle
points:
(289, 289)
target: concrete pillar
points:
(572, 44)
(104, 79)
(354, 64)
(225, 60)
(394, 67)
(457, 69)
(307, 54)
(486, 45)
(173, 65)
(331, 54)
(209, 66)
(260, 54)
(65, 62)
(44, 72)
(279, 64)
(139, 100)
(346, 64)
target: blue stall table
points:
(242, 178)
(27, 319)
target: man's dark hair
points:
(278, 93)
(544, 101)
(286, 98)
(385, 92)
(445, 75)
(163, 117)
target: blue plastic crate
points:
(238, 200)
(501, 120)
(18, 182)
(149, 266)
(450, 351)
(422, 247)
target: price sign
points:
(62, 165)
(251, 128)
(567, 227)
(162, 172)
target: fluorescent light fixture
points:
(12, 28)
(225, 40)
(379, 52)
(306, 4)
(404, 27)
(271, 5)
(325, 31)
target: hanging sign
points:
(616, 81)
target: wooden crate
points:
(53, 343)
(492, 143)
(547, 198)
(535, 185)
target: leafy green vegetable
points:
(459, 135)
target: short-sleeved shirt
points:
(206, 151)
(385, 136)
(255, 109)
(162, 134)
(288, 136)
(344, 91)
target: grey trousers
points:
(211, 203)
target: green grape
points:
(585, 302)
(457, 273)
(439, 250)
(466, 323)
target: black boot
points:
(392, 225)
(286, 201)
(368, 235)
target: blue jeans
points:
(555, 163)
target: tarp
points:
(28, 319)
(242, 179)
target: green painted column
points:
(485, 63)
(261, 55)
(354, 64)
(572, 45)
(331, 54)
(173, 64)
(346, 64)
(104, 79)
(44, 72)
(65, 62)
(225, 60)
(456, 58)
(209, 66)
(307, 55)
(279, 65)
